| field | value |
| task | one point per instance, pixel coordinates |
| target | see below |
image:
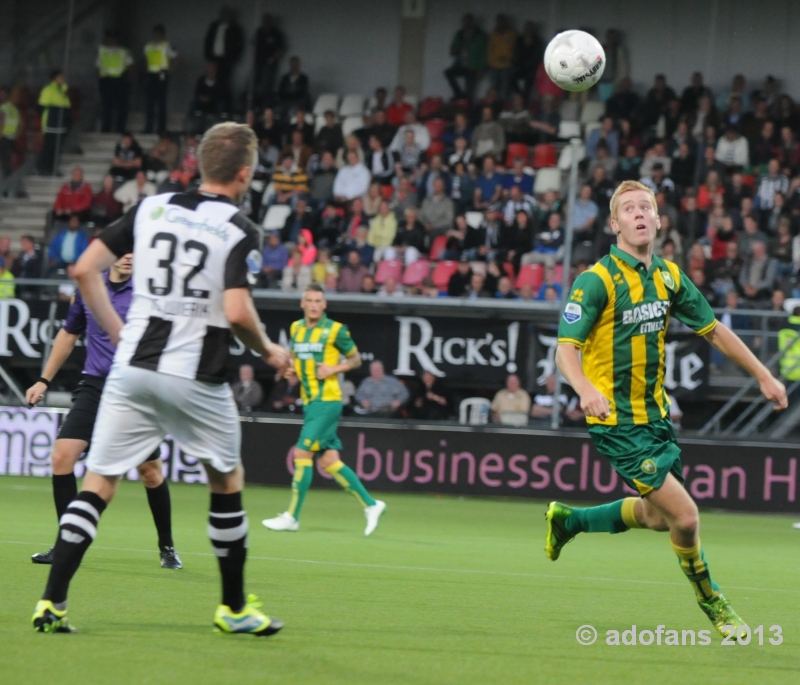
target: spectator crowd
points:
(455, 197)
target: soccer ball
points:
(574, 60)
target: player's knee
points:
(63, 460)
(151, 474)
(687, 521)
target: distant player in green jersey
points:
(317, 344)
(611, 351)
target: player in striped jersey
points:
(317, 344)
(611, 351)
(196, 255)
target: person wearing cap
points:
(9, 129)
(112, 73)
(7, 289)
(159, 55)
(55, 104)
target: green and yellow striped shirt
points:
(322, 343)
(617, 315)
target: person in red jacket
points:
(74, 197)
(396, 112)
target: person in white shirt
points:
(131, 192)
(422, 136)
(733, 150)
(352, 180)
(391, 289)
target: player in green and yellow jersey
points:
(317, 344)
(611, 351)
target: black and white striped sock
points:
(227, 530)
(76, 531)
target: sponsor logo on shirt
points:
(572, 312)
(646, 312)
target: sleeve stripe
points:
(707, 329)
(571, 341)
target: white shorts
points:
(140, 407)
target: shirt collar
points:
(127, 284)
(631, 261)
(215, 196)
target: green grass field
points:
(447, 590)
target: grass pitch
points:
(447, 590)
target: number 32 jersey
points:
(188, 248)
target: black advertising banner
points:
(463, 461)
(478, 352)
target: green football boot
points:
(722, 615)
(47, 619)
(557, 535)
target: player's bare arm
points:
(352, 361)
(593, 402)
(245, 324)
(62, 348)
(732, 346)
(89, 274)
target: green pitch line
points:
(447, 590)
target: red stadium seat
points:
(749, 180)
(508, 267)
(389, 268)
(435, 128)
(559, 273)
(544, 155)
(436, 148)
(532, 274)
(438, 245)
(416, 272)
(442, 272)
(517, 150)
(387, 192)
(430, 106)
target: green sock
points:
(347, 478)
(693, 564)
(616, 517)
(303, 473)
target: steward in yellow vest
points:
(9, 129)
(112, 71)
(55, 105)
(789, 344)
(159, 55)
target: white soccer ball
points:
(574, 60)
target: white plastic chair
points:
(318, 124)
(569, 129)
(474, 411)
(276, 217)
(474, 219)
(592, 111)
(790, 303)
(352, 124)
(412, 100)
(565, 158)
(352, 105)
(548, 178)
(326, 101)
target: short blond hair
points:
(225, 150)
(627, 187)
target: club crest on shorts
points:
(666, 276)
(649, 467)
(572, 312)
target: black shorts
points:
(79, 423)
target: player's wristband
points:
(42, 379)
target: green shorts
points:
(320, 422)
(642, 454)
